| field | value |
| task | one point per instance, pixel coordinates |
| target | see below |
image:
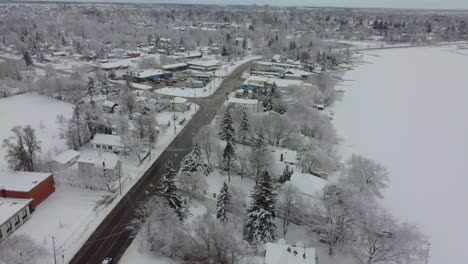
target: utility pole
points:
(53, 245)
(173, 120)
(120, 178)
(427, 252)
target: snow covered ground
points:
(407, 109)
(38, 111)
(72, 214)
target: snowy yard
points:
(407, 109)
(38, 111)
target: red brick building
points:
(27, 185)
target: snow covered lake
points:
(407, 108)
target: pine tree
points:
(91, 89)
(228, 155)
(244, 127)
(261, 214)
(194, 161)
(224, 201)
(27, 58)
(227, 131)
(170, 192)
(286, 176)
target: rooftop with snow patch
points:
(21, 181)
(66, 156)
(9, 207)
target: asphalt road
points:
(111, 238)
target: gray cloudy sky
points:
(428, 4)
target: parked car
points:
(107, 261)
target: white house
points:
(13, 213)
(65, 159)
(110, 143)
(204, 65)
(249, 105)
(109, 106)
(281, 253)
(309, 185)
(101, 168)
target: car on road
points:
(107, 261)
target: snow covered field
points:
(407, 109)
(38, 111)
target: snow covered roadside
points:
(412, 120)
(40, 112)
(72, 214)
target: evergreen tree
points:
(170, 192)
(286, 176)
(261, 214)
(194, 161)
(224, 201)
(227, 131)
(27, 58)
(259, 154)
(228, 155)
(244, 127)
(91, 89)
(244, 43)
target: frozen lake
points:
(408, 109)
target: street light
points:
(427, 252)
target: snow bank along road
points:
(112, 237)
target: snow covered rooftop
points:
(278, 253)
(205, 63)
(66, 156)
(21, 181)
(106, 159)
(149, 73)
(257, 79)
(308, 184)
(179, 100)
(140, 86)
(104, 139)
(9, 207)
(175, 65)
(109, 103)
(284, 83)
(115, 64)
(242, 101)
(285, 155)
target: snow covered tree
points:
(223, 204)
(206, 138)
(260, 156)
(76, 131)
(366, 176)
(27, 58)
(261, 214)
(91, 89)
(193, 185)
(244, 127)
(228, 155)
(227, 131)
(193, 162)
(286, 176)
(380, 239)
(289, 205)
(170, 192)
(22, 148)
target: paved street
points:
(111, 238)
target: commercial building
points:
(248, 105)
(204, 65)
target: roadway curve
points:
(111, 238)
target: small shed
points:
(109, 106)
(65, 159)
(179, 104)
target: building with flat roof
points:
(204, 65)
(110, 143)
(65, 159)
(13, 213)
(175, 67)
(27, 185)
(179, 104)
(249, 105)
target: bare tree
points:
(206, 138)
(289, 205)
(22, 148)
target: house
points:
(194, 84)
(285, 155)
(254, 82)
(109, 106)
(249, 105)
(204, 65)
(281, 253)
(65, 159)
(106, 166)
(115, 65)
(13, 213)
(26, 185)
(179, 104)
(276, 58)
(295, 74)
(175, 67)
(308, 184)
(148, 75)
(110, 143)
(133, 54)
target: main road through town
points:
(112, 237)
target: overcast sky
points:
(427, 4)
